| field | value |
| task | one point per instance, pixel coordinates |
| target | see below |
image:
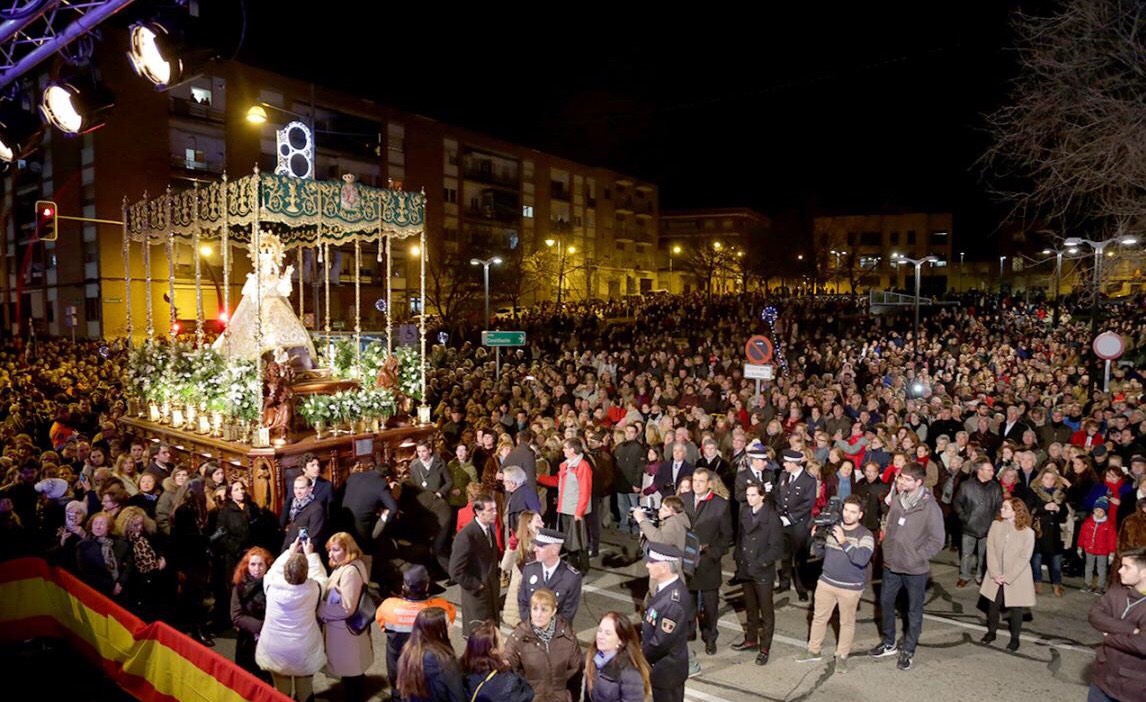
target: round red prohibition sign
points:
(1109, 346)
(758, 350)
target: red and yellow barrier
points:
(152, 662)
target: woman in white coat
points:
(290, 646)
(348, 655)
(1009, 583)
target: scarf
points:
(546, 635)
(109, 562)
(1041, 493)
(910, 499)
(145, 559)
(602, 659)
(297, 506)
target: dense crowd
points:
(872, 451)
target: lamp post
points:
(836, 260)
(1001, 260)
(674, 251)
(918, 263)
(485, 264)
(1099, 247)
(561, 265)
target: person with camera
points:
(758, 548)
(846, 547)
(795, 495)
(669, 526)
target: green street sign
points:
(502, 338)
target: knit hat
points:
(417, 580)
(1103, 504)
(1099, 451)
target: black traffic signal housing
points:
(46, 220)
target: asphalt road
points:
(950, 663)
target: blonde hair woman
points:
(348, 655)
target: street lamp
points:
(918, 263)
(561, 265)
(1099, 247)
(485, 264)
(674, 251)
(1001, 260)
(836, 256)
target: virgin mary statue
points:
(266, 296)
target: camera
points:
(831, 515)
(651, 515)
(303, 534)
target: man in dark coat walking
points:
(712, 523)
(474, 565)
(795, 495)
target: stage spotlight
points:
(154, 55)
(18, 134)
(74, 107)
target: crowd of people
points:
(873, 450)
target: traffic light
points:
(46, 220)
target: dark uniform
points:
(664, 640)
(794, 498)
(565, 584)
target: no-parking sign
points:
(758, 350)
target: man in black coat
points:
(303, 511)
(758, 549)
(629, 457)
(431, 482)
(365, 501)
(322, 488)
(664, 638)
(672, 471)
(795, 495)
(1013, 427)
(712, 523)
(524, 457)
(474, 565)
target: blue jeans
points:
(626, 501)
(916, 586)
(1054, 565)
(1094, 694)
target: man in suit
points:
(321, 488)
(474, 565)
(524, 457)
(366, 500)
(670, 472)
(518, 497)
(758, 549)
(795, 495)
(431, 482)
(549, 571)
(712, 523)
(664, 638)
(1013, 427)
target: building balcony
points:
(560, 226)
(590, 201)
(189, 165)
(494, 214)
(558, 191)
(491, 176)
(645, 211)
(184, 107)
(625, 206)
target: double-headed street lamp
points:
(485, 264)
(1099, 247)
(918, 263)
(561, 265)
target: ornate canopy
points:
(306, 212)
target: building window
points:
(527, 211)
(92, 309)
(710, 224)
(201, 96)
(869, 239)
(451, 195)
(939, 238)
(910, 237)
(894, 239)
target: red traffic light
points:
(47, 211)
(46, 220)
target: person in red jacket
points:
(1087, 437)
(1098, 540)
(574, 483)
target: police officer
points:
(795, 495)
(664, 629)
(549, 571)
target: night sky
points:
(790, 112)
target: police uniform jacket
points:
(795, 498)
(565, 584)
(664, 634)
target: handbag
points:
(363, 616)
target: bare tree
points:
(1070, 145)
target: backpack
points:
(691, 553)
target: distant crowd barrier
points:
(148, 661)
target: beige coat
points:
(1009, 555)
(347, 653)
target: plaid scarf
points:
(297, 506)
(109, 561)
(546, 635)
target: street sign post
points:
(758, 372)
(1109, 347)
(497, 339)
(758, 350)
